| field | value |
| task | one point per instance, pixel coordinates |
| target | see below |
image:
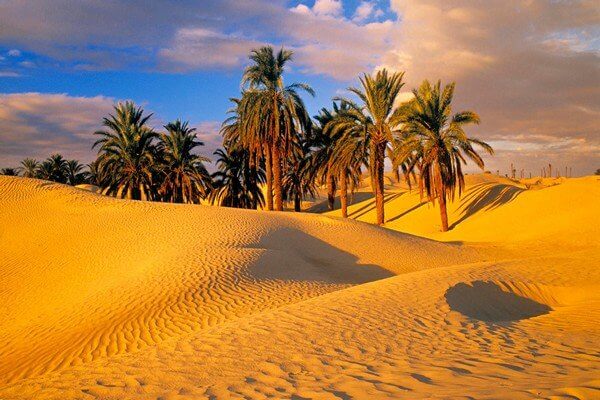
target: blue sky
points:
(530, 69)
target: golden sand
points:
(109, 299)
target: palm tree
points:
(9, 171)
(185, 178)
(238, 181)
(29, 168)
(378, 97)
(323, 140)
(44, 170)
(272, 115)
(437, 137)
(350, 154)
(95, 174)
(126, 152)
(298, 182)
(75, 173)
(54, 168)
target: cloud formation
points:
(533, 90)
(529, 68)
(36, 125)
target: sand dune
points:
(106, 298)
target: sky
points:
(529, 68)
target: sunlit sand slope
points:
(497, 209)
(86, 276)
(103, 298)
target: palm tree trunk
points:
(344, 194)
(269, 173)
(297, 202)
(378, 171)
(397, 173)
(331, 189)
(277, 184)
(443, 211)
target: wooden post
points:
(549, 170)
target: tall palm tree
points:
(437, 137)
(126, 152)
(29, 168)
(272, 115)
(184, 176)
(75, 173)
(238, 181)
(378, 96)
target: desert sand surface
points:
(114, 299)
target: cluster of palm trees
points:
(275, 153)
(271, 132)
(55, 168)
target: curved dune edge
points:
(119, 299)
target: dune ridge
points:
(106, 298)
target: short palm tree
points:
(350, 155)
(184, 176)
(323, 140)
(238, 181)
(378, 97)
(76, 173)
(436, 136)
(54, 168)
(29, 168)
(272, 115)
(9, 171)
(298, 182)
(126, 152)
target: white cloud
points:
(38, 124)
(9, 74)
(328, 7)
(203, 48)
(364, 10)
(14, 53)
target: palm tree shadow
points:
(421, 204)
(486, 196)
(370, 206)
(357, 197)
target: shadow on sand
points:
(370, 206)
(486, 196)
(486, 301)
(357, 197)
(290, 254)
